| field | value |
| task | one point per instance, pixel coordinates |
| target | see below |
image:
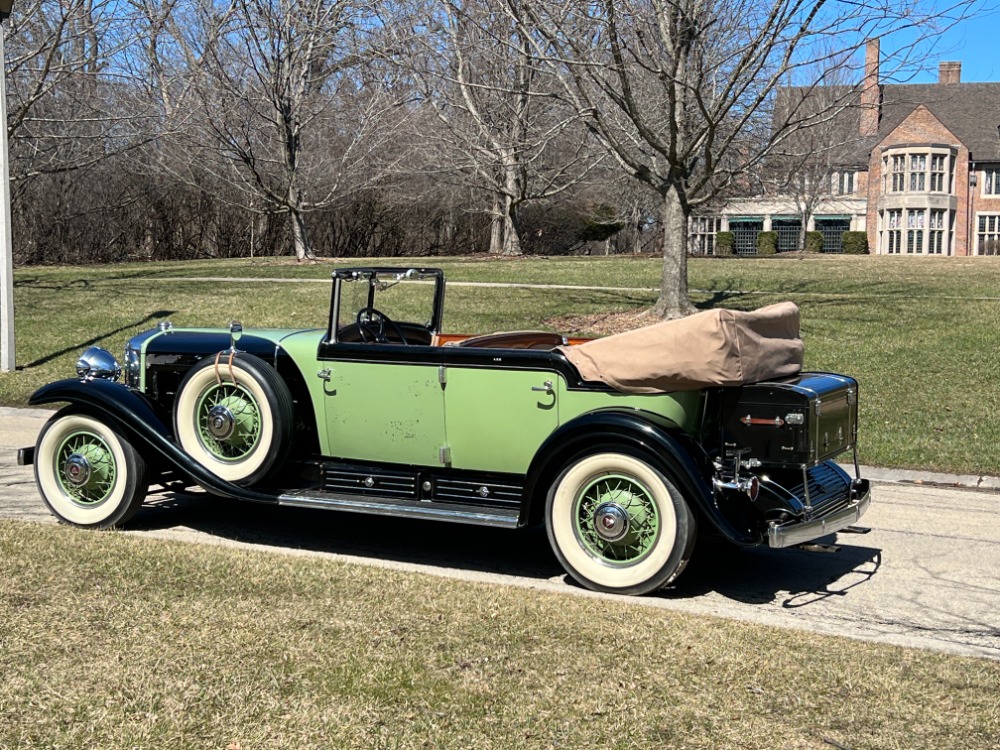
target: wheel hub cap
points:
(76, 470)
(617, 521)
(611, 522)
(220, 422)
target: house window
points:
(789, 232)
(918, 169)
(845, 183)
(914, 232)
(936, 244)
(898, 174)
(937, 173)
(989, 234)
(703, 231)
(894, 232)
(991, 182)
(919, 173)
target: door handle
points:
(546, 387)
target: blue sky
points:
(974, 42)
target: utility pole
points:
(6, 246)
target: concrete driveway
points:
(928, 574)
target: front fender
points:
(644, 431)
(133, 413)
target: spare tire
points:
(234, 416)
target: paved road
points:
(926, 576)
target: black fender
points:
(134, 414)
(645, 431)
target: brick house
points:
(921, 176)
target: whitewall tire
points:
(87, 471)
(234, 418)
(618, 524)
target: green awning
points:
(835, 217)
(744, 219)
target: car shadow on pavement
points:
(796, 577)
(753, 576)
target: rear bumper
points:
(798, 532)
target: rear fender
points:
(135, 416)
(657, 437)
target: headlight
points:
(98, 363)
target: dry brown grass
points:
(110, 641)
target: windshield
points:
(402, 296)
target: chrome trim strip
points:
(500, 518)
(798, 532)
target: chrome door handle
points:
(546, 387)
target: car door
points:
(378, 410)
(496, 416)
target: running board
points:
(477, 515)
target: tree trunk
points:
(511, 230)
(496, 228)
(673, 301)
(299, 237)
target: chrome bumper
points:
(797, 532)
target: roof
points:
(969, 110)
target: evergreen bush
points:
(814, 242)
(854, 243)
(724, 242)
(767, 243)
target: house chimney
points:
(870, 91)
(949, 72)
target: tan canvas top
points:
(711, 348)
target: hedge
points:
(724, 242)
(814, 242)
(767, 243)
(854, 243)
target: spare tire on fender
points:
(234, 416)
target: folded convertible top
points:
(711, 348)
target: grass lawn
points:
(921, 334)
(120, 642)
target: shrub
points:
(767, 243)
(724, 243)
(854, 243)
(814, 242)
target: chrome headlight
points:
(98, 363)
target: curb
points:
(15, 420)
(911, 476)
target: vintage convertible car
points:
(625, 447)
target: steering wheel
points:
(372, 324)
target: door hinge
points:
(444, 455)
(443, 375)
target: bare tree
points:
(681, 92)
(498, 123)
(290, 118)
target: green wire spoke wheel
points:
(617, 523)
(234, 416)
(229, 421)
(617, 519)
(88, 472)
